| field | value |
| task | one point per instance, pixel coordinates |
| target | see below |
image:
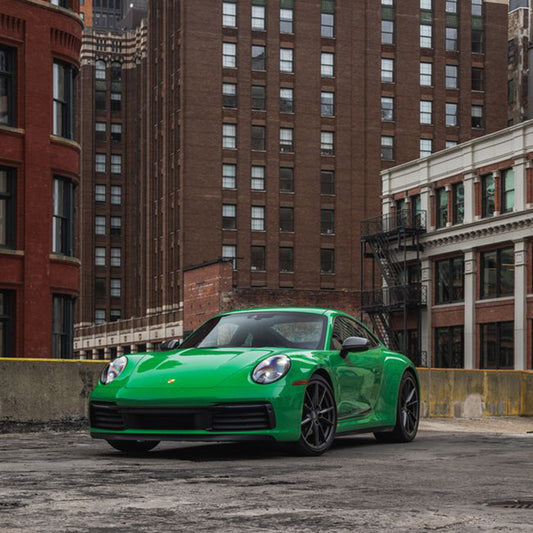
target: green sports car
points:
(297, 376)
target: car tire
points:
(407, 412)
(133, 446)
(319, 419)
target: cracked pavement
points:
(446, 480)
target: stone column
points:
(133, 348)
(120, 350)
(95, 353)
(107, 353)
(520, 305)
(449, 204)
(468, 181)
(520, 185)
(477, 197)
(426, 341)
(496, 176)
(425, 203)
(82, 354)
(470, 308)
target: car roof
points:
(314, 310)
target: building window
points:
(100, 132)
(286, 259)
(327, 182)
(327, 221)
(477, 79)
(7, 86)
(99, 225)
(478, 35)
(229, 136)
(458, 191)
(258, 178)
(116, 76)
(62, 326)
(286, 60)
(497, 273)
(257, 256)
(497, 345)
(487, 196)
(258, 97)
(451, 76)
(258, 15)
(63, 217)
(116, 226)
(116, 257)
(100, 163)
(116, 164)
(449, 275)
(286, 143)
(229, 253)
(426, 147)
(286, 179)
(64, 111)
(258, 218)
(7, 320)
(327, 261)
(116, 194)
(100, 99)
(116, 133)
(477, 8)
(99, 193)
(426, 112)
(451, 6)
(99, 316)
(114, 315)
(100, 70)
(229, 55)
(387, 148)
(229, 176)
(426, 24)
(258, 57)
(451, 114)
(327, 65)
(286, 219)
(507, 184)
(258, 138)
(387, 22)
(99, 256)
(387, 70)
(426, 74)
(229, 216)
(387, 108)
(327, 143)
(286, 16)
(229, 14)
(286, 100)
(7, 208)
(116, 101)
(115, 288)
(449, 347)
(327, 104)
(450, 144)
(327, 19)
(441, 199)
(229, 95)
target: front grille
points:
(104, 415)
(222, 417)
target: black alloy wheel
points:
(319, 418)
(133, 446)
(407, 414)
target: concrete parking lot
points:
(456, 476)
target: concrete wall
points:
(55, 390)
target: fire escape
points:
(393, 243)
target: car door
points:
(359, 374)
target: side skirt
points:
(380, 429)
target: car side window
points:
(344, 328)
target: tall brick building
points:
(267, 125)
(39, 179)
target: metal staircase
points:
(391, 241)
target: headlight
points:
(113, 370)
(271, 369)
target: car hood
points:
(196, 367)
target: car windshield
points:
(261, 329)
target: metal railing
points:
(390, 298)
(403, 221)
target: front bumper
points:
(251, 413)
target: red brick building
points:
(39, 176)
(267, 125)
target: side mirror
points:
(172, 344)
(354, 344)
